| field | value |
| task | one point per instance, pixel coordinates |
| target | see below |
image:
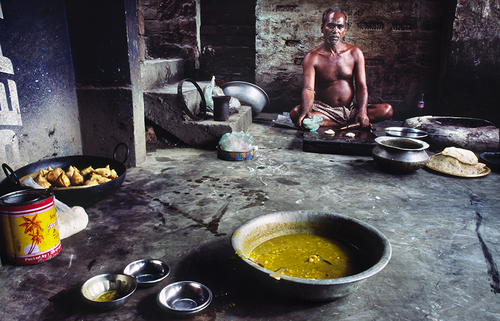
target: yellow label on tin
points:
(34, 234)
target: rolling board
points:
(318, 142)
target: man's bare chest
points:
(331, 69)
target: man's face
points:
(334, 28)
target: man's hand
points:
(363, 120)
(300, 119)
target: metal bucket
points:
(29, 225)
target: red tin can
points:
(29, 225)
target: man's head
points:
(327, 13)
(334, 25)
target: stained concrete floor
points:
(182, 204)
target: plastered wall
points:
(404, 43)
(38, 108)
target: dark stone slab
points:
(319, 142)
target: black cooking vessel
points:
(72, 196)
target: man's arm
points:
(361, 88)
(307, 97)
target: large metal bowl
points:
(248, 94)
(372, 243)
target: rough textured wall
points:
(473, 71)
(105, 50)
(228, 38)
(38, 105)
(171, 29)
(403, 43)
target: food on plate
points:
(54, 178)
(330, 132)
(41, 179)
(350, 135)
(53, 174)
(308, 256)
(62, 180)
(457, 161)
(463, 155)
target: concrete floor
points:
(182, 205)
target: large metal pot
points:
(72, 196)
(399, 154)
(372, 243)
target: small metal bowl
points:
(147, 272)
(102, 284)
(184, 297)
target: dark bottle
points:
(420, 106)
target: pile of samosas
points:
(57, 177)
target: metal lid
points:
(25, 197)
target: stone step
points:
(157, 73)
(161, 106)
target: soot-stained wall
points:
(38, 108)
(404, 43)
(472, 84)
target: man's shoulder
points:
(353, 48)
(316, 50)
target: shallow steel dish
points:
(405, 132)
(248, 94)
(372, 243)
(72, 196)
(147, 272)
(492, 159)
(184, 297)
(123, 284)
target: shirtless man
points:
(330, 72)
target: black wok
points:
(72, 196)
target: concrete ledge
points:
(162, 108)
(158, 72)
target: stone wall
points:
(473, 69)
(411, 47)
(38, 105)
(403, 43)
(171, 29)
(228, 38)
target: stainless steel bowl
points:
(400, 155)
(248, 94)
(147, 272)
(184, 297)
(405, 132)
(124, 285)
(372, 243)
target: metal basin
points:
(248, 94)
(372, 243)
(400, 155)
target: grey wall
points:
(404, 43)
(472, 86)
(34, 39)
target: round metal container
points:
(184, 297)
(248, 94)
(123, 286)
(29, 225)
(235, 156)
(371, 242)
(400, 155)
